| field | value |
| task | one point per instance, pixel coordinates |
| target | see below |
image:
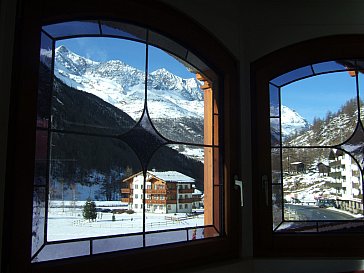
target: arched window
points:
(118, 103)
(313, 147)
(125, 109)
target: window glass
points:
(274, 100)
(39, 218)
(317, 169)
(45, 81)
(123, 30)
(161, 41)
(292, 76)
(72, 28)
(361, 92)
(176, 102)
(342, 65)
(109, 78)
(110, 131)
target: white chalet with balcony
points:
(165, 192)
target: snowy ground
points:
(68, 223)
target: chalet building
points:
(166, 192)
(297, 167)
(347, 175)
(323, 169)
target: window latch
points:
(239, 184)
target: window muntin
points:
(54, 162)
(317, 171)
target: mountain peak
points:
(62, 49)
(160, 71)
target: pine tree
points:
(89, 210)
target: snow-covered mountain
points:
(122, 85)
(292, 122)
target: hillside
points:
(335, 129)
(101, 159)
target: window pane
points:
(39, 199)
(361, 96)
(277, 205)
(199, 65)
(320, 110)
(175, 188)
(123, 30)
(165, 237)
(274, 100)
(275, 131)
(86, 167)
(41, 152)
(340, 65)
(99, 85)
(355, 146)
(44, 81)
(63, 250)
(116, 243)
(276, 166)
(321, 184)
(176, 103)
(293, 76)
(167, 44)
(72, 28)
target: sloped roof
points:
(173, 176)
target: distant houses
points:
(297, 167)
(165, 192)
(323, 169)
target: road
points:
(315, 213)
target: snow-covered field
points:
(68, 223)
(308, 187)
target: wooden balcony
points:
(127, 200)
(156, 201)
(152, 191)
(186, 190)
(127, 190)
(186, 200)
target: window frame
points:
(266, 242)
(20, 161)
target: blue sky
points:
(317, 95)
(130, 52)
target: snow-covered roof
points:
(296, 163)
(197, 192)
(173, 176)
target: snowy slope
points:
(123, 86)
(292, 121)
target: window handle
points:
(239, 184)
(265, 187)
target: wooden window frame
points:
(21, 148)
(266, 242)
